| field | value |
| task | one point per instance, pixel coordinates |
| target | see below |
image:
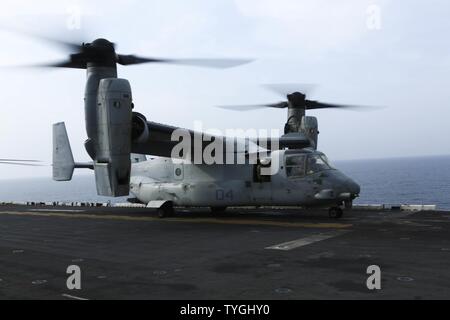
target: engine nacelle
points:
(114, 114)
(139, 128)
(310, 127)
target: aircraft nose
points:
(353, 187)
(348, 186)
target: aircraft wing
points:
(291, 140)
(159, 141)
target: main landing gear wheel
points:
(166, 210)
(335, 212)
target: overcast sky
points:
(382, 53)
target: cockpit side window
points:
(295, 166)
(316, 163)
(327, 161)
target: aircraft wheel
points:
(335, 212)
(166, 210)
(218, 210)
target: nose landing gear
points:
(348, 204)
(335, 212)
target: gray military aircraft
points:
(120, 138)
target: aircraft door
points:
(261, 185)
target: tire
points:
(335, 212)
(166, 210)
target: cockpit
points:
(302, 164)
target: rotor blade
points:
(285, 89)
(62, 64)
(58, 64)
(20, 160)
(73, 45)
(210, 63)
(310, 105)
(21, 164)
(279, 105)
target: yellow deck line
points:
(188, 220)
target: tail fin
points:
(63, 163)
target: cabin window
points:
(295, 166)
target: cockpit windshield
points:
(298, 166)
(317, 163)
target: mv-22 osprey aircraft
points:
(119, 138)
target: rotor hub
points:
(100, 52)
(297, 99)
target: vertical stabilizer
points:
(63, 162)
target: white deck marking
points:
(57, 210)
(307, 240)
(73, 297)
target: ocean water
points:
(423, 180)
